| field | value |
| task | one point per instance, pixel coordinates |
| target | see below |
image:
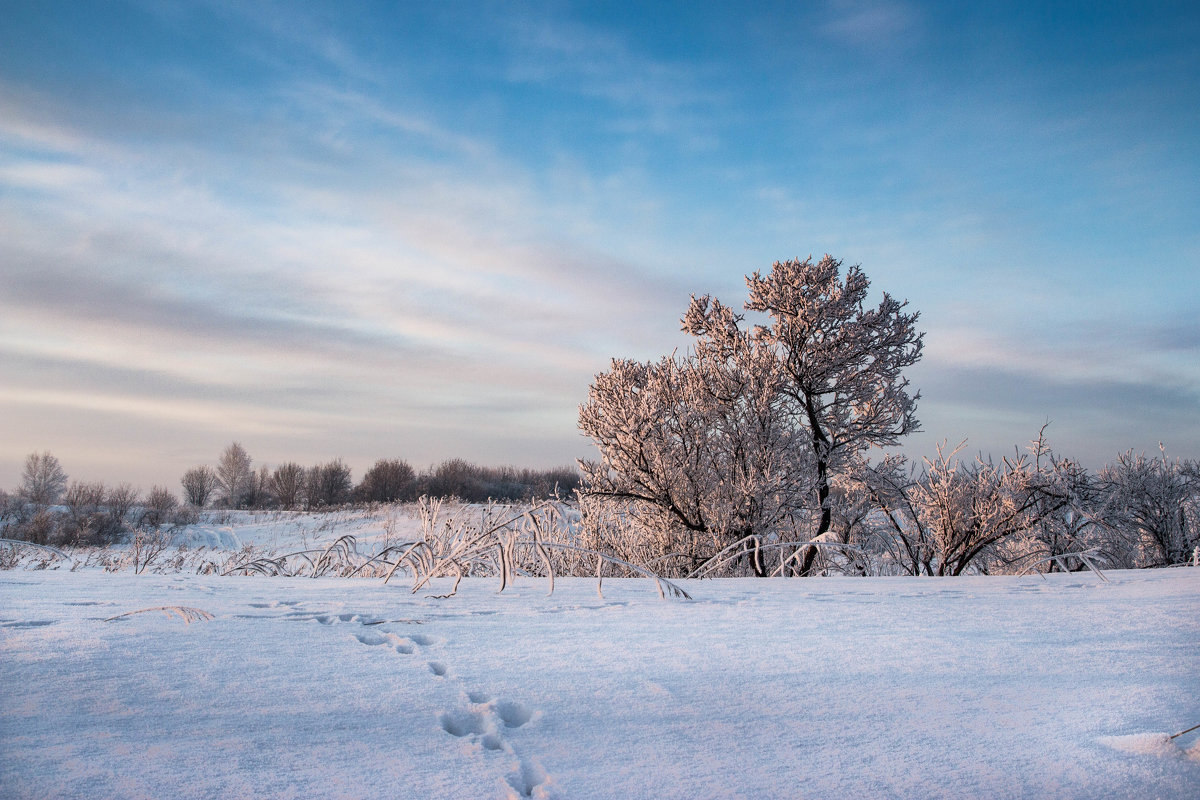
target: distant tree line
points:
(48, 509)
(234, 483)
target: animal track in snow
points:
(527, 778)
(482, 723)
(465, 723)
(370, 639)
(513, 715)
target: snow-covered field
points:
(820, 688)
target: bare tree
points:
(156, 511)
(43, 479)
(8, 507)
(261, 495)
(83, 499)
(85, 521)
(234, 474)
(149, 539)
(119, 500)
(199, 484)
(455, 477)
(287, 485)
(328, 484)
(386, 481)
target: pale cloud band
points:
(421, 234)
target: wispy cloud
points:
(412, 288)
(869, 23)
(641, 93)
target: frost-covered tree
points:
(1067, 495)
(756, 424)
(199, 484)
(43, 479)
(234, 474)
(842, 363)
(1156, 500)
(698, 449)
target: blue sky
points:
(406, 230)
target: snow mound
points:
(1151, 744)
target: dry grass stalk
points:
(185, 613)
(1087, 557)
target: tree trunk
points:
(810, 554)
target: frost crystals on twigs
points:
(499, 541)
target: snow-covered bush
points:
(1155, 502)
(954, 516)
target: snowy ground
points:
(818, 688)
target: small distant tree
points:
(287, 485)
(560, 481)
(83, 499)
(43, 479)
(119, 500)
(199, 484)
(157, 509)
(149, 539)
(234, 473)
(258, 493)
(8, 507)
(387, 481)
(454, 477)
(84, 517)
(328, 484)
